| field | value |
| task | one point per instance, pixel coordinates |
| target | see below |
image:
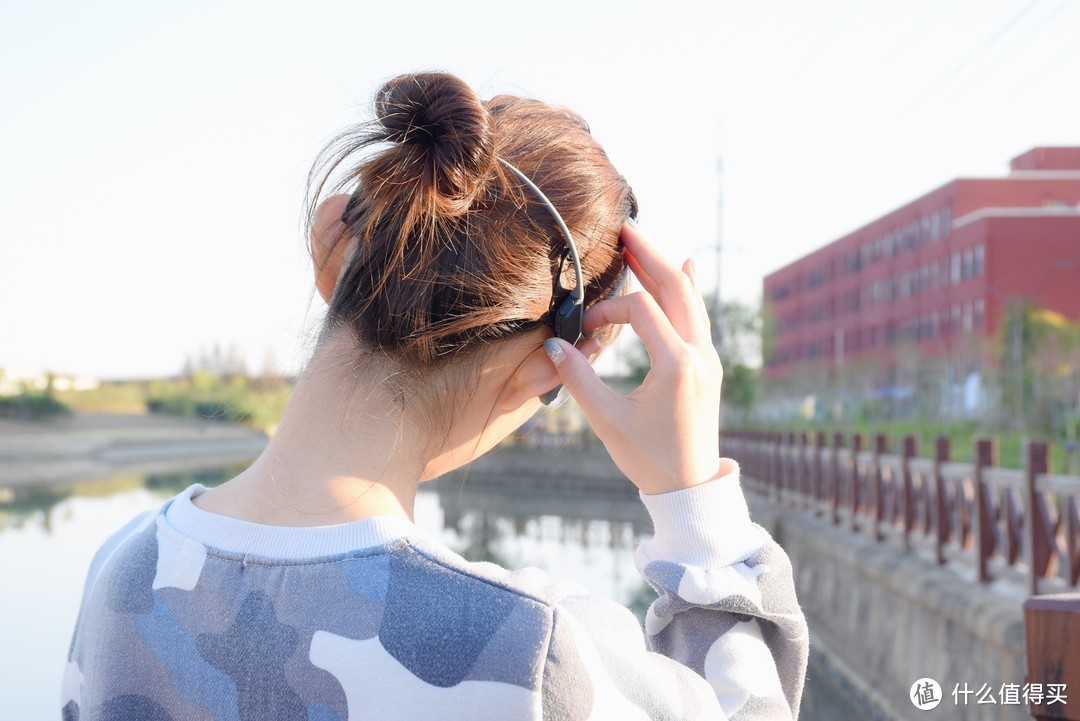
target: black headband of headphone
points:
(566, 320)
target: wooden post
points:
(880, 449)
(834, 485)
(804, 470)
(856, 448)
(984, 530)
(819, 446)
(1052, 639)
(791, 483)
(774, 467)
(1072, 547)
(941, 527)
(909, 451)
(1038, 463)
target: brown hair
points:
(452, 252)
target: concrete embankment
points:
(87, 447)
(880, 619)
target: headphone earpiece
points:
(566, 324)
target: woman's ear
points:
(532, 378)
(536, 375)
(329, 249)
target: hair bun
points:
(445, 132)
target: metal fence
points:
(994, 523)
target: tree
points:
(217, 361)
(1039, 354)
(740, 332)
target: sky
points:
(154, 155)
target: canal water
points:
(49, 535)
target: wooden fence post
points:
(856, 448)
(834, 484)
(1038, 463)
(880, 448)
(804, 470)
(774, 468)
(792, 480)
(909, 451)
(1052, 640)
(819, 447)
(941, 526)
(984, 531)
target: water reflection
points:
(35, 504)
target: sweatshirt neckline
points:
(234, 535)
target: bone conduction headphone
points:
(566, 317)
(566, 320)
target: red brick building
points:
(933, 275)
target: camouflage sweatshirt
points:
(192, 615)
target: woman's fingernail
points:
(554, 350)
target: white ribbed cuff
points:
(707, 525)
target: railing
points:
(995, 523)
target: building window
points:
(977, 271)
(955, 318)
(933, 324)
(955, 268)
(946, 221)
(967, 264)
(980, 311)
(967, 317)
(935, 226)
(924, 236)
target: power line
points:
(1001, 32)
(1033, 32)
(1031, 79)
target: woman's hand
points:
(663, 435)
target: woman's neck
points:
(344, 450)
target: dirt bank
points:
(90, 446)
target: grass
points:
(258, 403)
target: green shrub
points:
(32, 407)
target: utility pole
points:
(718, 332)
